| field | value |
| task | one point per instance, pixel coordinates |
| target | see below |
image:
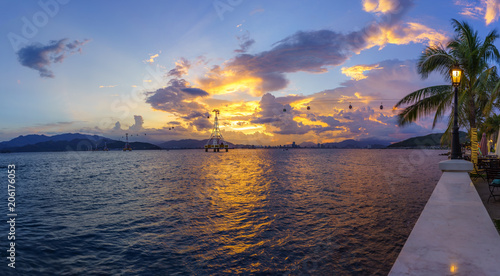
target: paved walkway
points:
(493, 207)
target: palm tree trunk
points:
(473, 129)
(472, 112)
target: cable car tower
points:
(127, 145)
(216, 140)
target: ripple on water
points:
(184, 212)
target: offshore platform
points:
(216, 140)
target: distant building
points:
(294, 145)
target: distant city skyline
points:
(160, 67)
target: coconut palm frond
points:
(479, 89)
(423, 106)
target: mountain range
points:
(428, 141)
(355, 144)
(36, 138)
(84, 142)
(67, 142)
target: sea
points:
(191, 212)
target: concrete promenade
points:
(454, 235)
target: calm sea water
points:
(188, 212)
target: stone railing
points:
(454, 235)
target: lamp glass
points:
(456, 75)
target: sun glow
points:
(233, 83)
(308, 122)
(374, 119)
(302, 104)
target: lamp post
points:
(456, 151)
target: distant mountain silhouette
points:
(67, 142)
(32, 139)
(426, 141)
(308, 145)
(355, 144)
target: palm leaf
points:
(423, 102)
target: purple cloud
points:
(181, 68)
(40, 57)
(172, 98)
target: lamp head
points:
(456, 75)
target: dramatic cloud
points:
(177, 98)
(181, 68)
(392, 81)
(404, 34)
(492, 11)
(382, 6)
(202, 123)
(117, 126)
(315, 51)
(272, 113)
(356, 72)
(330, 119)
(194, 115)
(40, 57)
(138, 125)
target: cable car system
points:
(350, 106)
(216, 141)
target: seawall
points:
(454, 235)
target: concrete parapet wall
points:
(454, 235)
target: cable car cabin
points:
(350, 106)
(308, 108)
(381, 107)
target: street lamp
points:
(456, 151)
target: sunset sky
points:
(143, 67)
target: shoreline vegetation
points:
(477, 88)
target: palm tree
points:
(491, 125)
(474, 56)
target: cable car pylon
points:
(216, 140)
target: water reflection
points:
(246, 211)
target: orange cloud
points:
(218, 82)
(492, 11)
(181, 68)
(151, 59)
(382, 6)
(356, 72)
(306, 121)
(400, 34)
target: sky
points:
(161, 67)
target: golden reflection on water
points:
(289, 210)
(239, 195)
